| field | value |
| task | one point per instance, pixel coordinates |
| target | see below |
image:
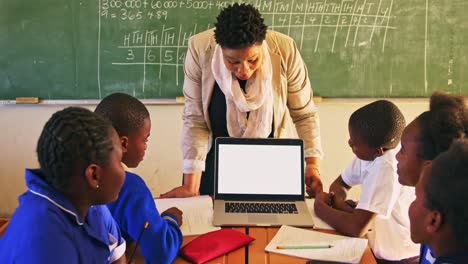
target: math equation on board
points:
(153, 34)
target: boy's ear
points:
(124, 143)
(378, 152)
(435, 222)
(92, 175)
(427, 162)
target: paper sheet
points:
(318, 222)
(345, 249)
(197, 212)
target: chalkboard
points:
(56, 49)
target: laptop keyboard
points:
(264, 208)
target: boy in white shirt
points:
(381, 212)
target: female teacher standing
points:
(242, 80)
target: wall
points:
(161, 169)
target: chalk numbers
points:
(105, 8)
(130, 55)
(135, 9)
(150, 56)
(130, 14)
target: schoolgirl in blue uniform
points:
(430, 134)
(135, 206)
(438, 215)
(60, 218)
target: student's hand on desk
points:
(179, 192)
(313, 182)
(325, 198)
(346, 206)
(178, 213)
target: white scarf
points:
(257, 99)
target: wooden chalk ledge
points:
(27, 100)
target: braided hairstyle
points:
(239, 26)
(446, 120)
(445, 188)
(379, 123)
(126, 113)
(72, 139)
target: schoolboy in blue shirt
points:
(439, 215)
(161, 241)
(60, 218)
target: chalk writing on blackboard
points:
(352, 48)
(164, 44)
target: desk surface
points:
(255, 252)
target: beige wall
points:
(161, 169)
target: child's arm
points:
(355, 223)
(339, 189)
(338, 193)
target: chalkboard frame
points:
(42, 60)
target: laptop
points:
(259, 182)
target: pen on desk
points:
(137, 241)
(304, 247)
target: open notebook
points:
(197, 214)
(341, 249)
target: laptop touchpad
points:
(263, 219)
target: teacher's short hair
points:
(239, 26)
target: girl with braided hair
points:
(62, 217)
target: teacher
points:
(242, 80)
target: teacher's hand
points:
(190, 188)
(179, 192)
(312, 181)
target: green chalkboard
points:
(55, 49)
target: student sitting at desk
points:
(430, 134)
(374, 130)
(439, 215)
(135, 206)
(60, 218)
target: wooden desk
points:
(255, 252)
(263, 236)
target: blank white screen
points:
(259, 169)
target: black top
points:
(217, 114)
(456, 258)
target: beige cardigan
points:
(292, 98)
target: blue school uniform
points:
(45, 228)
(426, 255)
(161, 241)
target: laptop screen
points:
(259, 167)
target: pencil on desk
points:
(304, 247)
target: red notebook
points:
(213, 244)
